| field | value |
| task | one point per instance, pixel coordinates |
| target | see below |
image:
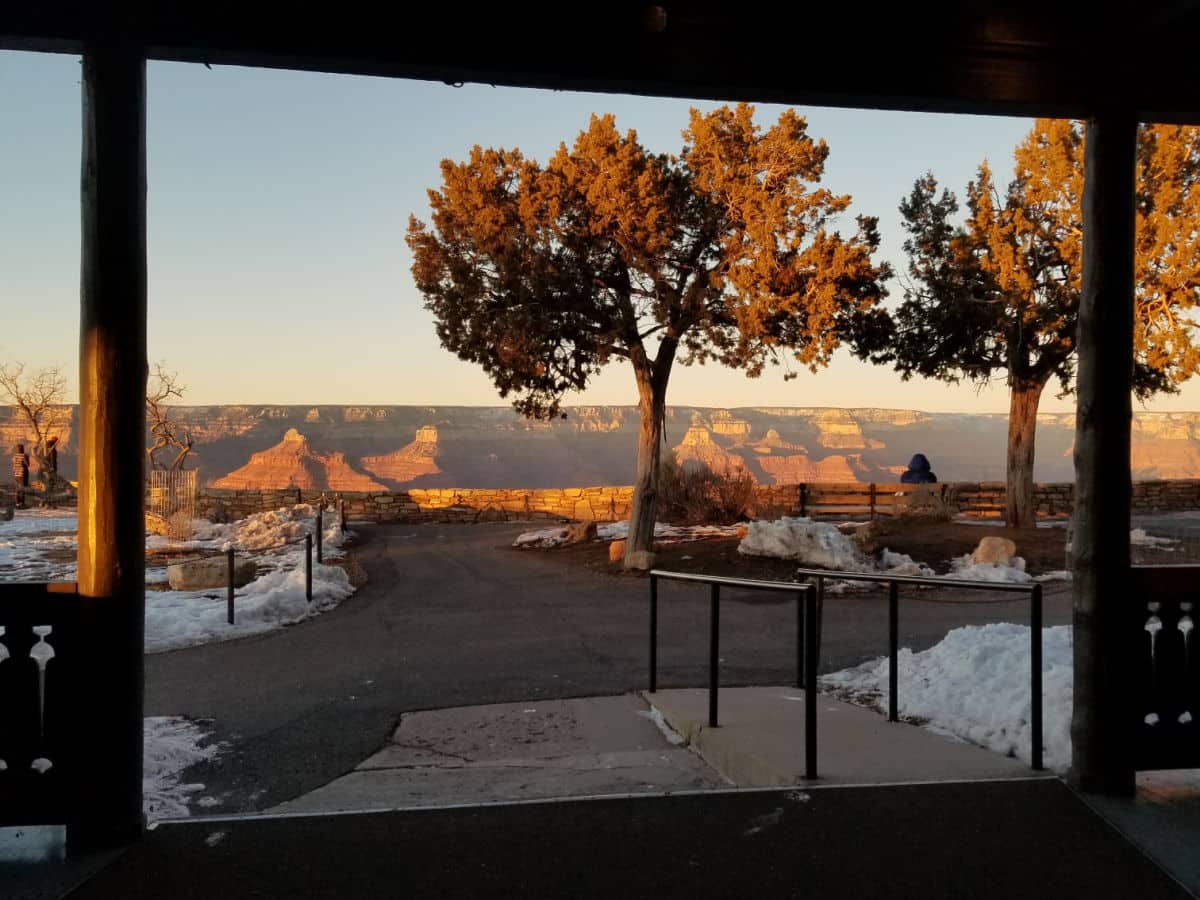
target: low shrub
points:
(694, 494)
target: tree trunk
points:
(653, 407)
(1019, 508)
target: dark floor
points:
(989, 841)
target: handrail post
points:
(810, 681)
(1035, 676)
(229, 585)
(714, 649)
(800, 638)
(320, 528)
(893, 651)
(653, 633)
(308, 547)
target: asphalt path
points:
(451, 615)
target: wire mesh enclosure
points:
(171, 499)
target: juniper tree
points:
(725, 252)
(997, 295)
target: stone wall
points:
(609, 504)
(600, 504)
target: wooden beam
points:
(1102, 730)
(112, 396)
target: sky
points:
(277, 208)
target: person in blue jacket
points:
(918, 471)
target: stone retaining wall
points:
(600, 504)
(610, 504)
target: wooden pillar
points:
(112, 396)
(1101, 728)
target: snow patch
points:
(40, 545)
(1139, 538)
(613, 531)
(814, 544)
(966, 568)
(172, 743)
(974, 684)
(655, 715)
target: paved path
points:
(452, 616)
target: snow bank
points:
(611, 531)
(33, 546)
(176, 619)
(275, 599)
(965, 567)
(1139, 538)
(171, 745)
(813, 544)
(975, 684)
(38, 545)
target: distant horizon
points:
(570, 406)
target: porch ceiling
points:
(1017, 58)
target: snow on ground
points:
(40, 546)
(966, 568)
(176, 619)
(611, 531)
(814, 544)
(172, 743)
(974, 684)
(1139, 538)
(822, 546)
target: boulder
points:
(616, 551)
(741, 532)
(994, 551)
(211, 572)
(578, 532)
(6, 513)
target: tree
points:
(999, 293)
(165, 433)
(543, 274)
(39, 401)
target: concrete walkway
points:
(613, 745)
(760, 741)
(516, 751)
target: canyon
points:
(377, 448)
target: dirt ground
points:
(932, 543)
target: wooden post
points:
(1102, 727)
(872, 501)
(112, 424)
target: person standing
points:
(20, 470)
(50, 473)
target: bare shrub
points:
(696, 495)
(180, 528)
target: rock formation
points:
(409, 462)
(292, 463)
(699, 448)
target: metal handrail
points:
(808, 631)
(806, 644)
(1034, 590)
